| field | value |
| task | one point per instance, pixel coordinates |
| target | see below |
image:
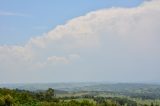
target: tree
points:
(49, 94)
(8, 100)
(2, 101)
(152, 104)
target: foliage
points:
(18, 97)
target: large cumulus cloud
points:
(121, 35)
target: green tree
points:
(8, 100)
(49, 94)
(2, 101)
(152, 104)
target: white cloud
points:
(85, 31)
(121, 31)
(16, 53)
(56, 59)
(5, 13)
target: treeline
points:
(18, 97)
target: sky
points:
(79, 41)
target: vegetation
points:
(16, 97)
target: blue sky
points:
(79, 41)
(33, 18)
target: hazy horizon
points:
(80, 41)
(19, 83)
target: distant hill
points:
(83, 86)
